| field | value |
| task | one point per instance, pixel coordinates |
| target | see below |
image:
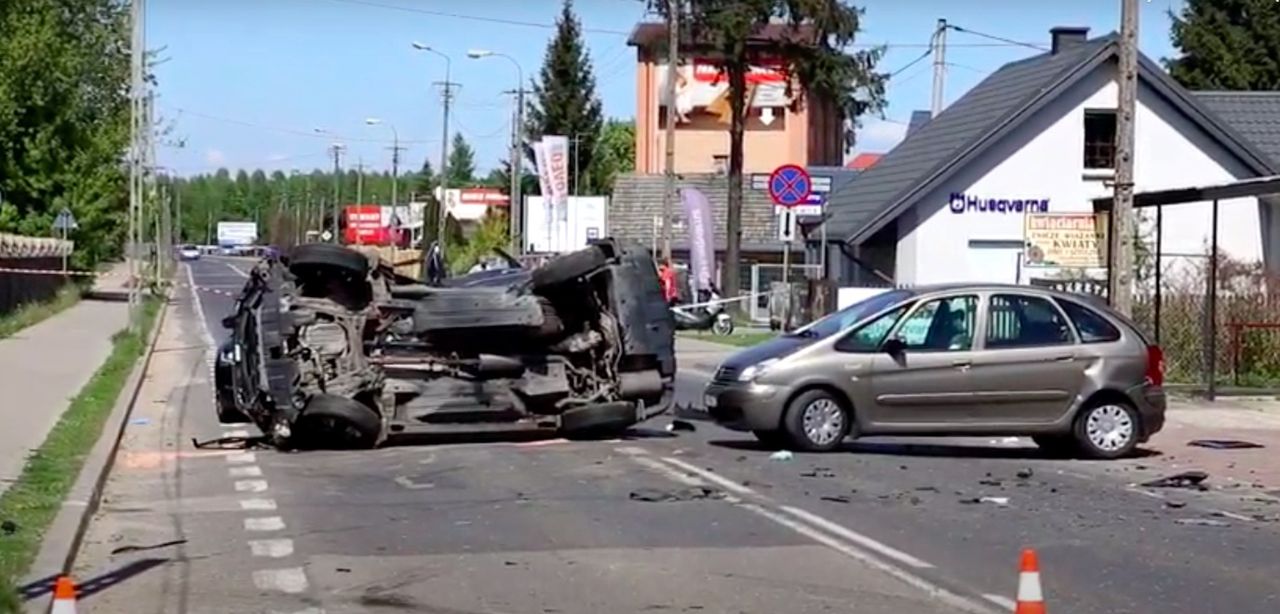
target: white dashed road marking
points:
(266, 523)
(242, 457)
(257, 505)
(273, 548)
(251, 471)
(251, 486)
(289, 580)
(1008, 604)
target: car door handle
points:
(962, 364)
(1064, 357)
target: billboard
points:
(471, 204)
(236, 234)
(544, 233)
(1068, 240)
(371, 225)
(700, 85)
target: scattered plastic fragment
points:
(781, 455)
(1202, 522)
(1224, 444)
(1186, 479)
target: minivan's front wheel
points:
(817, 421)
(1107, 430)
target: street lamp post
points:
(516, 209)
(395, 158)
(444, 139)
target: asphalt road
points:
(884, 526)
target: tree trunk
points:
(730, 280)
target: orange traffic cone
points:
(1030, 597)
(64, 596)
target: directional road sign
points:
(65, 221)
(789, 185)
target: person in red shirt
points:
(667, 277)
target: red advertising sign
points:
(766, 71)
(366, 225)
(483, 196)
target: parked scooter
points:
(712, 316)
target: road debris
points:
(998, 501)
(1025, 473)
(1174, 505)
(1186, 479)
(782, 455)
(1224, 444)
(836, 498)
(819, 472)
(658, 495)
(681, 425)
(1202, 522)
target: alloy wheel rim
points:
(823, 421)
(1109, 427)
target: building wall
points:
(1044, 160)
(807, 135)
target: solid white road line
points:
(236, 269)
(288, 580)
(251, 486)
(266, 523)
(238, 433)
(242, 457)
(250, 471)
(272, 548)
(257, 505)
(692, 475)
(195, 298)
(1008, 604)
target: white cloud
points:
(878, 135)
(277, 157)
(215, 157)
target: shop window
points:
(1099, 139)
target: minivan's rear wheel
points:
(1107, 430)
(817, 421)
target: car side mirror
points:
(894, 347)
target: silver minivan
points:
(963, 359)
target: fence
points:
(28, 253)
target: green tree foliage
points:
(564, 100)
(728, 33)
(1226, 45)
(490, 234)
(615, 153)
(462, 163)
(64, 120)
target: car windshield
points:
(852, 314)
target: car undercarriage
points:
(329, 347)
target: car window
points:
(1093, 328)
(869, 336)
(1016, 320)
(941, 325)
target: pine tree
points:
(1226, 45)
(564, 100)
(462, 163)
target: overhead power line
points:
(1001, 39)
(296, 132)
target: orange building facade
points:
(777, 131)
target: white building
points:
(948, 203)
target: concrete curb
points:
(61, 541)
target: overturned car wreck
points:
(329, 347)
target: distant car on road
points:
(188, 252)
(980, 360)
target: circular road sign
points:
(789, 185)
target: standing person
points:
(667, 277)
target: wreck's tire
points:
(601, 420)
(339, 423)
(568, 267)
(328, 255)
(224, 396)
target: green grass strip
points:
(31, 314)
(35, 497)
(740, 338)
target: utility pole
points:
(673, 63)
(137, 88)
(336, 150)
(939, 65)
(446, 90)
(359, 181)
(515, 223)
(1122, 222)
(395, 171)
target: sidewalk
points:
(44, 366)
(1255, 420)
(702, 357)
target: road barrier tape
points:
(719, 301)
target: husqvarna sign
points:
(962, 202)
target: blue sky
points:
(247, 82)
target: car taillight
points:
(1155, 365)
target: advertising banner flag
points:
(557, 155)
(702, 253)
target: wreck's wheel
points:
(306, 258)
(600, 420)
(335, 422)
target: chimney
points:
(1064, 37)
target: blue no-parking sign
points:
(790, 185)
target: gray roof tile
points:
(1254, 115)
(940, 141)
